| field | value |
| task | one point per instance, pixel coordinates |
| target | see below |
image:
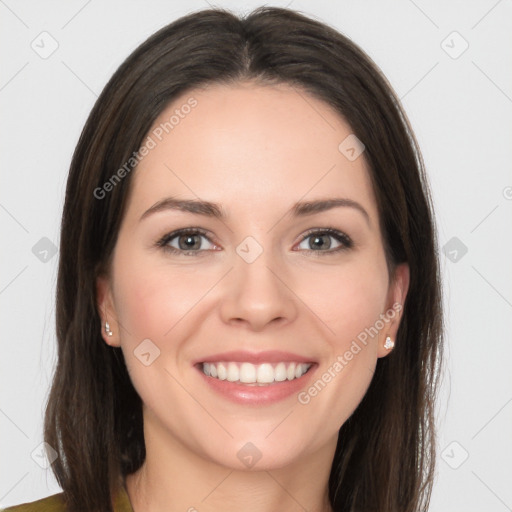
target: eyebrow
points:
(210, 209)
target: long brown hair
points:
(385, 457)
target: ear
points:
(106, 311)
(397, 293)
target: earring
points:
(389, 343)
(107, 329)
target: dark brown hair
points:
(385, 457)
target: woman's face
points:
(264, 281)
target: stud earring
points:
(107, 329)
(389, 343)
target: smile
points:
(258, 374)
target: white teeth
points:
(265, 373)
(248, 373)
(233, 372)
(222, 372)
(280, 372)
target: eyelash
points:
(345, 241)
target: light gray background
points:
(460, 107)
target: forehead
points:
(249, 144)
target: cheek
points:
(156, 301)
(347, 299)
(153, 297)
(349, 307)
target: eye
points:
(320, 241)
(188, 241)
(185, 241)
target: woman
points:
(248, 299)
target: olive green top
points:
(55, 503)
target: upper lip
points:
(268, 356)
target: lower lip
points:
(258, 395)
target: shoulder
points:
(53, 503)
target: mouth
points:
(256, 379)
(250, 374)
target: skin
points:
(256, 150)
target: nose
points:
(258, 294)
